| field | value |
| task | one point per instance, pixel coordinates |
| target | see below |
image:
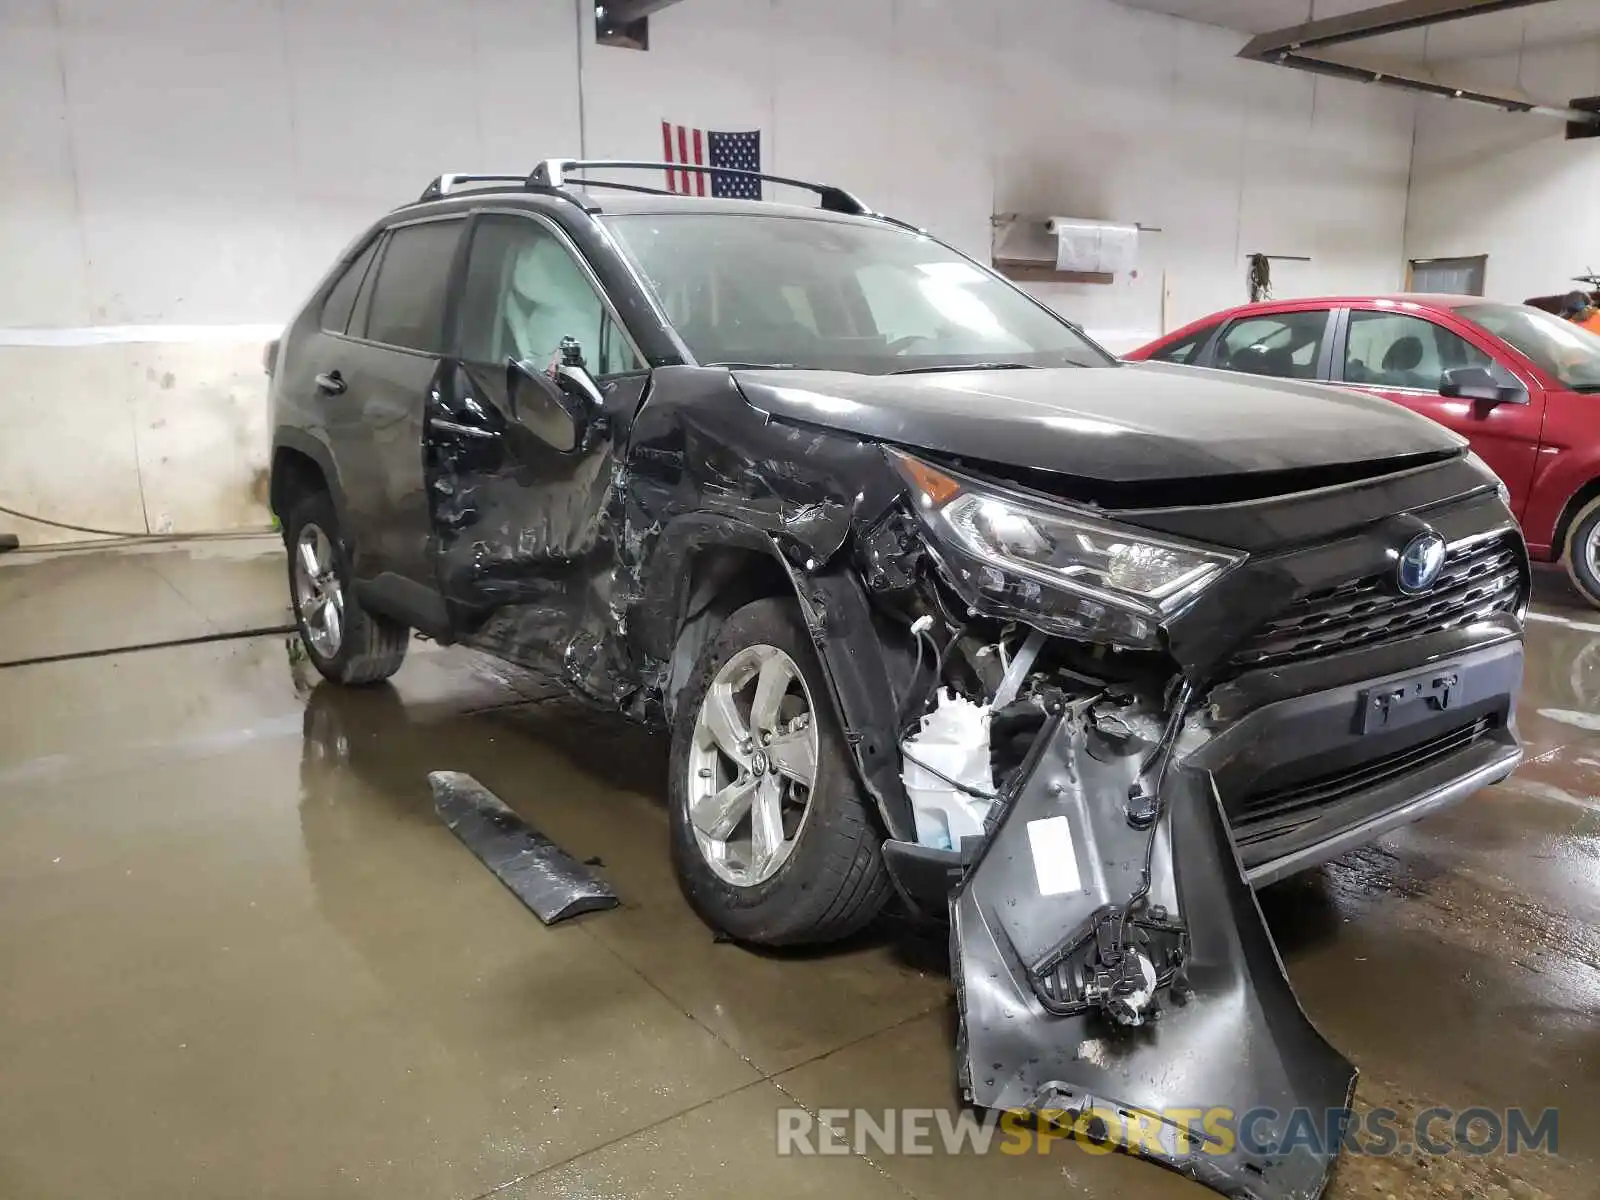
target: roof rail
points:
(552, 172)
(445, 184)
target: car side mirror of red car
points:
(1479, 383)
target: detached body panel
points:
(1222, 1029)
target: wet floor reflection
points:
(241, 947)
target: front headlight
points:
(1055, 567)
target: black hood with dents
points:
(1135, 423)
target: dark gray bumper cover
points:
(1230, 1034)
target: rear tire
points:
(347, 644)
(1582, 552)
(831, 881)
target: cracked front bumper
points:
(1271, 778)
(1227, 1036)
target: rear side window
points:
(1186, 350)
(341, 300)
(408, 299)
(1286, 345)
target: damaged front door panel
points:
(1078, 1006)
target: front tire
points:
(347, 644)
(1582, 552)
(772, 840)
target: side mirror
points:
(1478, 383)
(561, 405)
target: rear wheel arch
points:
(294, 473)
(301, 465)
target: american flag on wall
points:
(712, 148)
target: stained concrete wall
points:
(1510, 187)
(179, 172)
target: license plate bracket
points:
(1391, 705)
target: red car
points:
(1521, 385)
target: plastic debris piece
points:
(552, 883)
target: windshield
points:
(1569, 352)
(783, 291)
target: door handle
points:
(331, 382)
(464, 430)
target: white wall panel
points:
(181, 137)
(1511, 187)
(44, 279)
(198, 162)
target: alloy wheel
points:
(752, 765)
(318, 594)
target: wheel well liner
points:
(720, 580)
(707, 567)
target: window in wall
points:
(1394, 350)
(1449, 276)
(1186, 350)
(341, 299)
(525, 292)
(407, 307)
(1283, 344)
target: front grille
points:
(1478, 580)
(1264, 814)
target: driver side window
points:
(525, 292)
(1397, 350)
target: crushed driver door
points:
(520, 448)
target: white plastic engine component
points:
(953, 741)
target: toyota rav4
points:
(936, 598)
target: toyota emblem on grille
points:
(1420, 562)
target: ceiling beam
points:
(625, 12)
(1374, 22)
(1289, 47)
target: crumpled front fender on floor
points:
(1222, 1038)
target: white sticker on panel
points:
(1055, 859)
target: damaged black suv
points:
(936, 598)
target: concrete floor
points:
(239, 956)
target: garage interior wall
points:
(1513, 188)
(179, 173)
